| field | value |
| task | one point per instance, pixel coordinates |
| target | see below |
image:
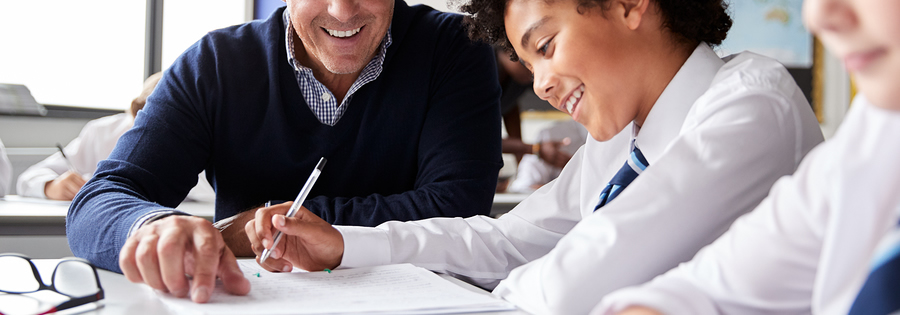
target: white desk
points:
(31, 216)
(124, 297)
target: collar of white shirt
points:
(667, 116)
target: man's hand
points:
(162, 252)
(64, 187)
(308, 242)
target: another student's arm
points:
(34, 180)
(765, 264)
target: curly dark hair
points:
(692, 21)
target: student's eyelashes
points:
(545, 47)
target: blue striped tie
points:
(880, 293)
(633, 167)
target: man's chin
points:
(344, 65)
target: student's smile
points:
(570, 103)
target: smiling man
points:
(401, 103)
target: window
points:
(91, 53)
(79, 53)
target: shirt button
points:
(326, 96)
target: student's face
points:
(581, 62)
(341, 35)
(865, 34)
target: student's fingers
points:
(127, 261)
(231, 275)
(255, 243)
(72, 189)
(275, 264)
(264, 222)
(79, 180)
(257, 247)
(170, 249)
(148, 262)
(207, 247)
(322, 244)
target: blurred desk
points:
(33, 216)
(505, 202)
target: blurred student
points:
(53, 178)
(5, 171)
(533, 171)
(827, 239)
(682, 143)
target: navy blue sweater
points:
(422, 140)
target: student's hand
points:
(162, 252)
(551, 153)
(639, 310)
(64, 187)
(308, 242)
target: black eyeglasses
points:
(74, 278)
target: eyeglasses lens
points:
(75, 278)
(16, 275)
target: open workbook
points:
(391, 289)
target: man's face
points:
(341, 35)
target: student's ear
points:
(630, 12)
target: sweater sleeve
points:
(152, 167)
(458, 156)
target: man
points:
(397, 99)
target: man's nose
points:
(343, 10)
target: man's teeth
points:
(343, 33)
(573, 99)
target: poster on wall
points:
(772, 28)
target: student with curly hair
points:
(682, 143)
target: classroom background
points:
(82, 60)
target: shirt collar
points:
(289, 43)
(667, 116)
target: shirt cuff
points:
(364, 246)
(34, 187)
(150, 217)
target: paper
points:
(391, 289)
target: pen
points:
(297, 203)
(66, 158)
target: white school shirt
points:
(5, 171)
(95, 142)
(717, 138)
(807, 248)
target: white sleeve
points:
(731, 151)
(32, 181)
(479, 249)
(94, 143)
(5, 171)
(781, 239)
